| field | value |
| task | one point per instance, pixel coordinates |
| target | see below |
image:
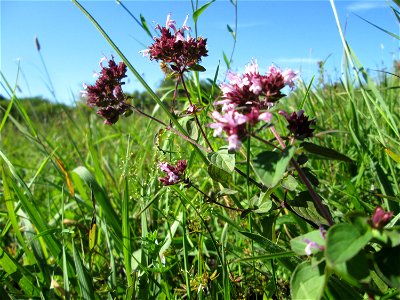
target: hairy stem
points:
(317, 200)
(181, 76)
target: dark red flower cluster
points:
(299, 125)
(380, 217)
(107, 93)
(176, 50)
(174, 173)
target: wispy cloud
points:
(297, 60)
(362, 6)
(251, 24)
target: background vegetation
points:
(84, 215)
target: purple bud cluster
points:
(176, 50)
(107, 93)
(299, 125)
(174, 173)
(380, 217)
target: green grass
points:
(84, 215)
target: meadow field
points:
(203, 189)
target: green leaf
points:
(325, 152)
(226, 59)
(144, 25)
(198, 68)
(290, 183)
(263, 203)
(289, 262)
(380, 28)
(354, 270)
(223, 159)
(387, 265)
(18, 273)
(344, 241)
(81, 173)
(198, 12)
(308, 282)
(271, 166)
(85, 282)
(298, 244)
(218, 174)
(394, 156)
(305, 207)
(231, 31)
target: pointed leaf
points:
(223, 159)
(304, 206)
(271, 166)
(198, 68)
(198, 12)
(144, 25)
(325, 152)
(289, 262)
(227, 61)
(84, 281)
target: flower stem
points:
(317, 200)
(181, 76)
(212, 200)
(170, 128)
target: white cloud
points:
(252, 24)
(298, 60)
(362, 6)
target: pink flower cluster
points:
(244, 99)
(176, 50)
(174, 173)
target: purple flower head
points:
(380, 218)
(299, 125)
(174, 173)
(254, 89)
(176, 50)
(107, 93)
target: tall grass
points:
(84, 215)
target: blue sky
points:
(290, 34)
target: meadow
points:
(203, 190)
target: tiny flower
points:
(288, 77)
(299, 125)
(191, 109)
(107, 93)
(312, 245)
(233, 124)
(380, 218)
(174, 173)
(234, 142)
